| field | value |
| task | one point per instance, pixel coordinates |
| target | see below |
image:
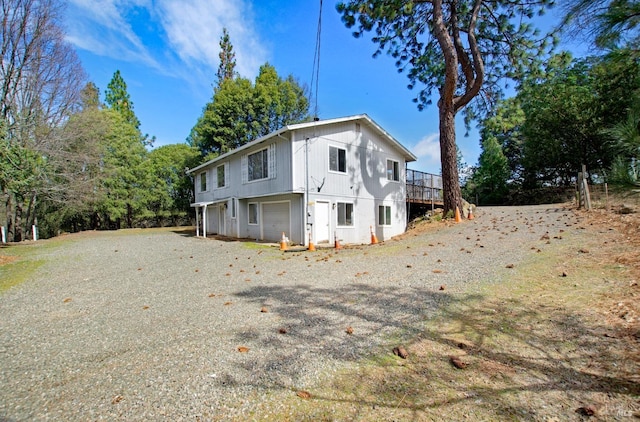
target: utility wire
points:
(315, 74)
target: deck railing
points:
(423, 187)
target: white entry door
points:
(321, 226)
(222, 229)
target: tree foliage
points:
(227, 66)
(90, 96)
(576, 112)
(609, 24)
(456, 49)
(241, 112)
(171, 190)
(117, 98)
(41, 79)
(490, 180)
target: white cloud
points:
(100, 27)
(429, 149)
(194, 28)
(188, 34)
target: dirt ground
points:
(558, 341)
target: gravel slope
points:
(146, 325)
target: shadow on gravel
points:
(186, 232)
(522, 359)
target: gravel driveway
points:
(146, 325)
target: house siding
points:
(302, 166)
(364, 184)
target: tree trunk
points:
(129, 216)
(17, 236)
(449, 159)
(10, 217)
(31, 213)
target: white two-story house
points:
(339, 178)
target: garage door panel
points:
(275, 220)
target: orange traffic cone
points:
(337, 241)
(470, 214)
(374, 239)
(283, 243)
(458, 218)
(311, 247)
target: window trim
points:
(225, 177)
(387, 214)
(257, 205)
(395, 170)
(338, 215)
(271, 167)
(338, 160)
(206, 181)
(265, 165)
(234, 208)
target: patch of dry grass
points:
(556, 340)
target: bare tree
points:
(41, 79)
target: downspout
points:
(306, 192)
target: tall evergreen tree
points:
(227, 66)
(90, 96)
(118, 99)
(455, 48)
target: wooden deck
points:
(424, 188)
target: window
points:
(258, 165)
(203, 181)
(345, 214)
(393, 170)
(338, 159)
(384, 215)
(222, 173)
(233, 207)
(253, 213)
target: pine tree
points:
(117, 98)
(227, 67)
(455, 49)
(90, 96)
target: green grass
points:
(17, 272)
(25, 260)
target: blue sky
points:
(167, 52)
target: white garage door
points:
(275, 220)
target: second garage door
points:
(275, 220)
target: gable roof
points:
(408, 155)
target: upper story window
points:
(259, 165)
(393, 170)
(222, 176)
(337, 159)
(203, 181)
